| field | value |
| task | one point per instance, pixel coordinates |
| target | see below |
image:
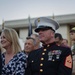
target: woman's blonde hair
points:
(12, 36)
(2, 49)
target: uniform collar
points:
(48, 45)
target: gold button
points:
(44, 49)
(43, 53)
(41, 64)
(41, 70)
(32, 61)
(48, 45)
(42, 58)
(53, 60)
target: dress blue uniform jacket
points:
(51, 59)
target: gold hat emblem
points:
(73, 28)
(38, 19)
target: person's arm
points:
(66, 64)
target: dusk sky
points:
(21, 9)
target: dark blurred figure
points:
(58, 39)
(65, 43)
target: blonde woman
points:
(13, 60)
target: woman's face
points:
(5, 43)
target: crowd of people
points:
(53, 57)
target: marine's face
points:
(5, 43)
(45, 35)
(72, 35)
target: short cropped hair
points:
(58, 35)
(34, 41)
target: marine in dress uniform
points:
(50, 59)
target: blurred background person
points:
(72, 36)
(36, 37)
(58, 39)
(2, 49)
(65, 43)
(13, 60)
(29, 45)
